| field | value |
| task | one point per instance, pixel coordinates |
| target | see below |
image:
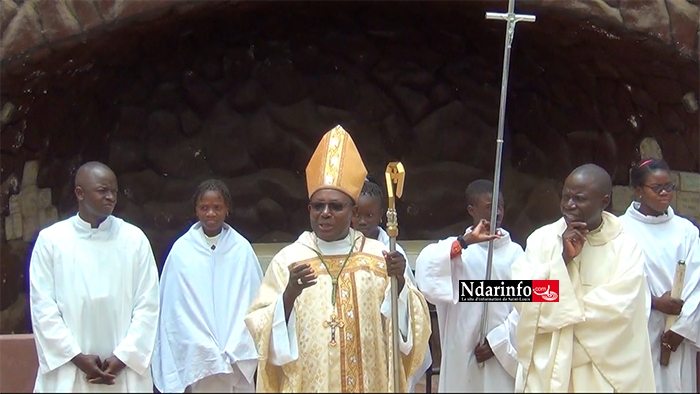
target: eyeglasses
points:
(332, 206)
(668, 188)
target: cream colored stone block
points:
(676, 179)
(31, 171)
(649, 148)
(29, 200)
(47, 216)
(688, 204)
(674, 201)
(44, 198)
(9, 233)
(30, 227)
(689, 182)
(13, 226)
(622, 197)
(15, 205)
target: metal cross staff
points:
(512, 18)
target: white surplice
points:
(93, 291)
(594, 339)
(438, 278)
(666, 239)
(384, 238)
(205, 294)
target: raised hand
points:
(395, 266)
(573, 238)
(480, 233)
(91, 365)
(301, 276)
(667, 304)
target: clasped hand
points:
(98, 371)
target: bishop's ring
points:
(299, 281)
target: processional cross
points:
(512, 18)
(333, 322)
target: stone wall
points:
(33, 29)
(245, 97)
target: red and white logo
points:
(545, 291)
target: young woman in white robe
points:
(210, 277)
(667, 238)
(367, 220)
(439, 268)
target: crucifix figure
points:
(333, 322)
(511, 18)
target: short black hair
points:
(476, 189)
(372, 189)
(643, 168)
(212, 185)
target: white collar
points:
(633, 212)
(85, 226)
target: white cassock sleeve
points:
(436, 273)
(136, 349)
(406, 340)
(55, 342)
(283, 341)
(502, 341)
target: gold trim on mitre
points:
(336, 164)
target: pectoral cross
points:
(333, 322)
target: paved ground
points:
(420, 386)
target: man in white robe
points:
(594, 339)
(666, 239)
(439, 268)
(93, 296)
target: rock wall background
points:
(244, 93)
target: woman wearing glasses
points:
(667, 238)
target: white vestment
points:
(666, 239)
(204, 295)
(93, 291)
(384, 238)
(594, 339)
(438, 278)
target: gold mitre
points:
(336, 164)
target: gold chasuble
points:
(346, 348)
(337, 339)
